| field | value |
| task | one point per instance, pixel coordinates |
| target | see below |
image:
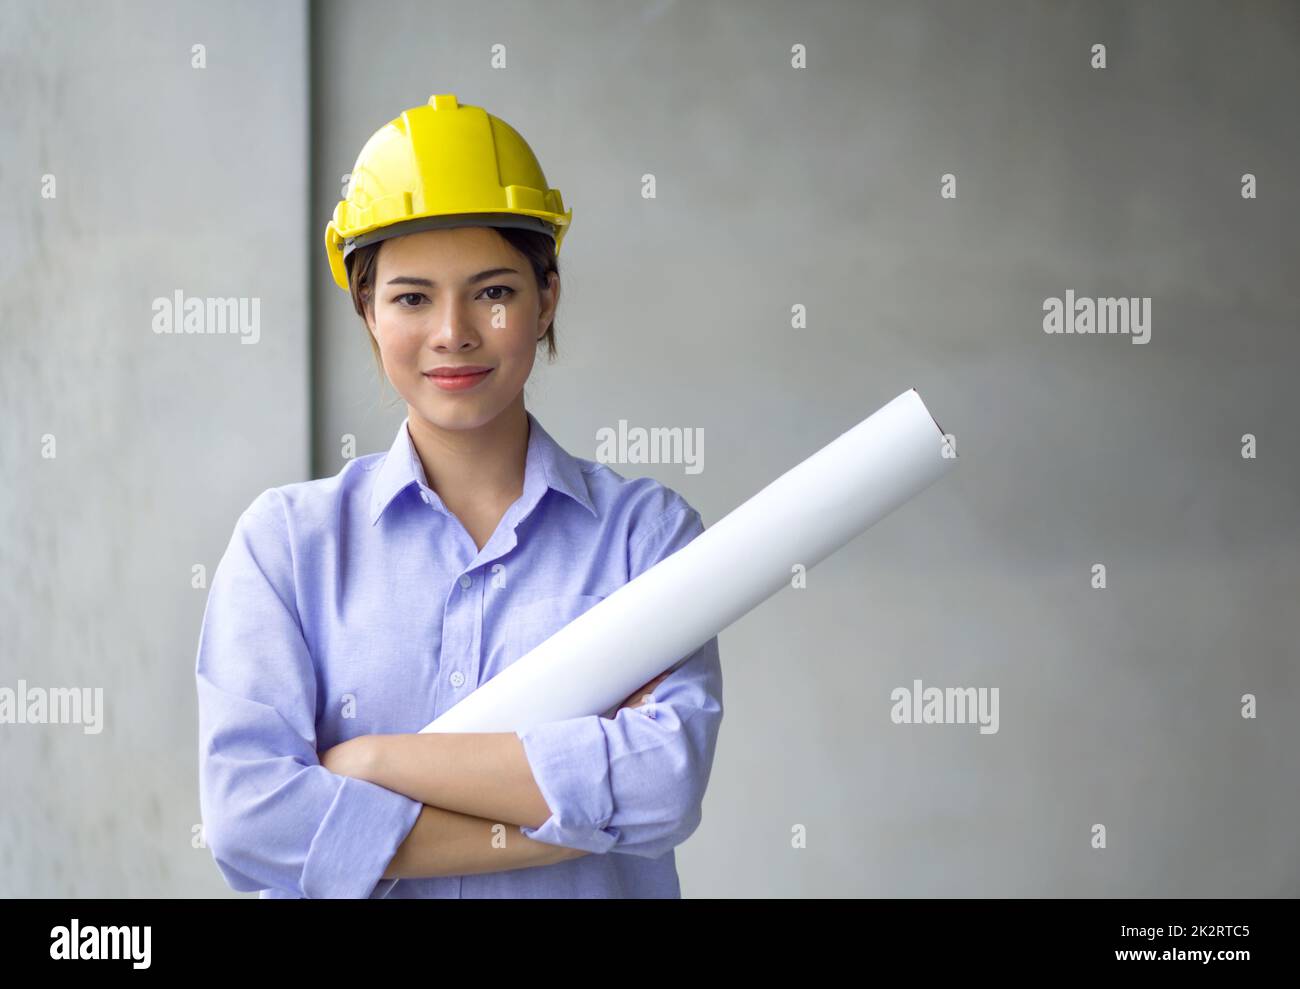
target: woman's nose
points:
(453, 328)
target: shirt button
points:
(457, 678)
(465, 580)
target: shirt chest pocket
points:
(529, 625)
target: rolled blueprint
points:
(659, 618)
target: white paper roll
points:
(659, 618)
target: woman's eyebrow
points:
(481, 276)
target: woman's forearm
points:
(482, 774)
(445, 843)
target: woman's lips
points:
(459, 382)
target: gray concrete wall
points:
(167, 177)
(775, 187)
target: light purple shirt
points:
(358, 604)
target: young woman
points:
(348, 612)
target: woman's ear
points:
(368, 310)
(550, 301)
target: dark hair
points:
(534, 245)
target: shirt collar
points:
(547, 465)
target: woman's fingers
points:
(640, 695)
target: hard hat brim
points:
(445, 221)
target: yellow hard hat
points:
(442, 165)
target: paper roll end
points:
(928, 412)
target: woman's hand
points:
(642, 695)
(354, 758)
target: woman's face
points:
(456, 298)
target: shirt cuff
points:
(570, 762)
(362, 830)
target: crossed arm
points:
(470, 784)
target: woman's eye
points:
(416, 298)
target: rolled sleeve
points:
(274, 818)
(571, 767)
(635, 783)
(358, 837)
